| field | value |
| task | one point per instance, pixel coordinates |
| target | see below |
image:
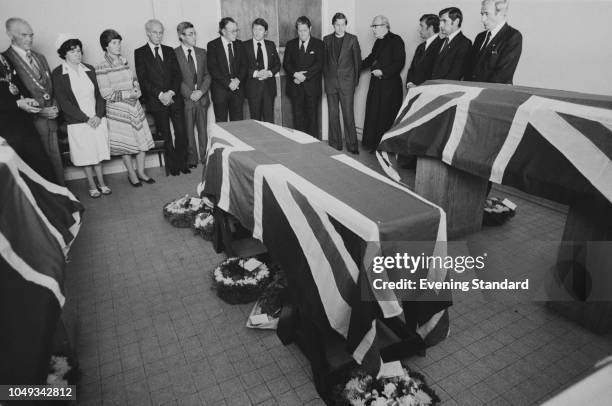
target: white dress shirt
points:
(152, 46)
(305, 44)
(429, 40)
(193, 55)
(225, 42)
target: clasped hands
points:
(263, 74)
(31, 106)
(234, 84)
(196, 95)
(378, 73)
(166, 97)
(299, 77)
(94, 121)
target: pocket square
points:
(311, 52)
(494, 52)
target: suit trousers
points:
(305, 117)
(196, 116)
(227, 102)
(261, 105)
(345, 98)
(176, 153)
(47, 129)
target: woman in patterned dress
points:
(127, 125)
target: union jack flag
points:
(551, 143)
(323, 217)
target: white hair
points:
(501, 6)
(152, 21)
(383, 20)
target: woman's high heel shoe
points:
(135, 184)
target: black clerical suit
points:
(305, 96)
(497, 61)
(385, 94)
(157, 74)
(452, 62)
(226, 101)
(261, 93)
(423, 61)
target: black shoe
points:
(135, 184)
(193, 166)
(175, 173)
(354, 152)
(185, 171)
(150, 181)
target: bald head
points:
(380, 26)
(20, 33)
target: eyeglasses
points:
(377, 25)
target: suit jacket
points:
(219, 68)
(423, 61)
(16, 123)
(497, 62)
(154, 79)
(453, 62)
(344, 72)
(66, 100)
(255, 86)
(202, 76)
(311, 62)
(25, 73)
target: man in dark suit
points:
(341, 72)
(425, 55)
(194, 89)
(160, 81)
(33, 70)
(228, 68)
(497, 50)
(263, 65)
(303, 64)
(453, 59)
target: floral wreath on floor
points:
(240, 280)
(409, 389)
(204, 225)
(182, 212)
(497, 211)
(266, 311)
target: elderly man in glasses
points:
(385, 93)
(228, 66)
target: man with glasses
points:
(303, 64)
(227, 65)
(159, 76)
(385, 93)
(194, 89)
(341, 72)
(453, 58)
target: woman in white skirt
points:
(84, 110)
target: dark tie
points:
(33, 64)
(486, 41)
(303, 47)
(158, 59)
(444, 45)
(231, 59)
(260, 59)
(192, 68)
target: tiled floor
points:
(151, 331)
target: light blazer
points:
(255, 86)
(66, 100)
(202, 75)
(497, 62)
(343, 73)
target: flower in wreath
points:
(239, 280)
(181, 212)
(204, 225)
(389, 390)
